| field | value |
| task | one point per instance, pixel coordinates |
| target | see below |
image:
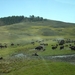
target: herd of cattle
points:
(42, 46)
(5, 45)
(59, 43)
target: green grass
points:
(37, 66)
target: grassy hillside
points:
(25, 30)
(24, 33)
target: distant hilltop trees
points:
(11, 20)
(16, 19)
(34, 18)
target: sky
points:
(61, 10)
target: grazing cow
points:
(12, 44)
(54, 47)
(1, 46)
(1, 58)
(61, 42)
(72, 48)
(61, 47)
(70, 45)
(39, 48)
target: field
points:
(19, 59)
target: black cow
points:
(61, 47)
(12, 44)
(72, 48)
(39, 48)
(70, 44)
(61, 42)
(54, 47)
(1, 58)
(1, 46)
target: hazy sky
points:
(63, 10)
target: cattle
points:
(70, 45)
(61, 42)
(61, 47)
(54, 47)
(1, 58)
(39, 48)
(12, 44)
(1, 46)
(72, 48)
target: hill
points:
(18, 59)
(36, 30)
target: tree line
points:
(16, 19)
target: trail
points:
(47, 66)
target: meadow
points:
(26, 32)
